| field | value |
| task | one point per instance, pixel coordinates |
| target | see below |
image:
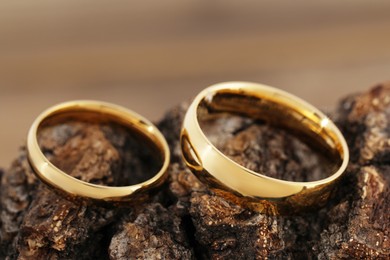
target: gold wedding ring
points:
(96, 111)
(244, 186)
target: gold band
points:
(98, 112)
(228, 178)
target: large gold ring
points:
(253, 189)
(97, 112)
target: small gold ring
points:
(246, 187)
(97, 112)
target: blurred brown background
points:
(151, 55)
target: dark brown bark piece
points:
(359, 226)
(38, 223)
(354, 224)
(186, 220)
(16, 186)
(154, 234)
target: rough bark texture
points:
(186, 220)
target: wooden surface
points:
(152, 55)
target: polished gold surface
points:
(260, 192)
(98, 112)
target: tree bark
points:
(185, 220)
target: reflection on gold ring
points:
(254, 189)
(98, 112)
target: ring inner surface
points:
(270, 135)
(99, 148)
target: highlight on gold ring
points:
(97, 111)
(254, 189)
